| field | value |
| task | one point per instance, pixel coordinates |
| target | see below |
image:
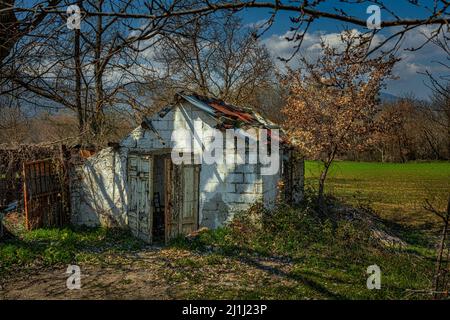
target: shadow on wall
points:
(102, 196)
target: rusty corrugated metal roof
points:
(232, 115)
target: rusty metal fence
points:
(46, 198)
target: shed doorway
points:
(163, 197)
(159, 198)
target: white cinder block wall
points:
(99, 191)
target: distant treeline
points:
(413, 130)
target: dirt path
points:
(151, 274)
(127, 279)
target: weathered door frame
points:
(173, 209)
(173, 201)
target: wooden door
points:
(140, 185)
(182, 197)
(189, 205)
(171, 214)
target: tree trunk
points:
(442, 246)
(97, 120)
(323, 176)
(8, 25)
(381, 149)
(321, 198)
(448, 133)
(77, 59)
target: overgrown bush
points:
(284, 231)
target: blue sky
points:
(402, 8)
(408, 70)
(409, 81)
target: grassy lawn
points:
(228, 263)
(396, 191)
(58, 247)
(290, 256)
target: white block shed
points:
(136, 185)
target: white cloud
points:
(408, 70)
(280, 47)
(256, 25)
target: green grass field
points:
(395, 191)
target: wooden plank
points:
(168, 197)
(196, 195)
(175, 227)
(149, 197)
